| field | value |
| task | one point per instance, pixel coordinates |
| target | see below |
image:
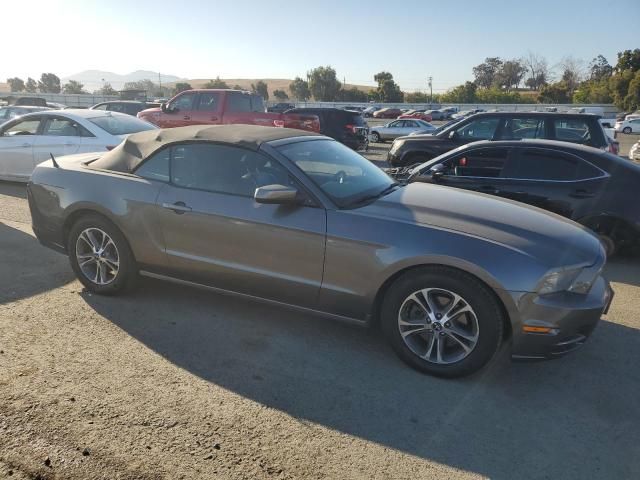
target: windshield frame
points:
(276, 148)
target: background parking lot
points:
(169, 382)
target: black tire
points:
(376, 137)
(626, 130)
(489, 315)
(127, 270)
(609, 245)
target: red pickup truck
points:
(216, 107)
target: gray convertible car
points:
(297, 219)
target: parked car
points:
(433, 130)
(576, 128)
(9, 112)
(589, 186)
(466, 113)
(297, 219)
(419, 115)
(130, 107)
(281, 107)
(628, 126)
(437, 114)
(31, 139)
(221, 106)
(399, 128)
(387, 113)
(369, 111)
(634, 152)
(346, 126)
(27, 101)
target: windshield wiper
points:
(375, 196)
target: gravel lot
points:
(170, 383)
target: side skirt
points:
(317, 313)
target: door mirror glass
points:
(276, 194)
(437, 171)
(453, 135)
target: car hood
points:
(549, 238)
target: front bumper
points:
(571, 318)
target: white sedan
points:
(399, 128)
(628, 126)
(31, 139)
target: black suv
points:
(575, 128)
(280, 107)
(346, 126)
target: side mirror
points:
(453, 135)
(276, 194)
(437, 171)
(167, 109)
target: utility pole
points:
(430, 91)
(160, 83)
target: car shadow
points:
(27, 267)
(575, 417)
(13, 189)
(624, 269)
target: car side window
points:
(25, 127)
(184, 102)
(522, 127)
(482, 162)
(398, 124)
(479, 129)
(61, 127)
(156, 167)
(238, 102)
(101, 107)
(410, 123)
(116, 107)
(542, 164)
(574, 130)
(209, 101)
(224, 169)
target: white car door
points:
(58, 136)
(408, 127)
(16, 148)
(393, 130)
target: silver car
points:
(399, 128)
(299, 220)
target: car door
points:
(409, 126)
(216, 233)
(473, 130)
(479, 169)
(58, 136)
(393, 130)
(554, 180)
(208, 109)
(16, 147)
(178, 111)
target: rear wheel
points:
(100, 256)
(626, 130)
(375, 137)
(442, 321)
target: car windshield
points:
(345, 176)
(447, 125)
(121, 124)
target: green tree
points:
(49, 83)
(324, 84)
(599, 68)
(352, 95)
(181, 87)
(107, 89)
(497, 95)
(16, 84)
(619, 85)
(31, 86)
(238, 87)
(416, 97)
(555, 93)
(510, 74)
(217, 83)
(485, 73)
(388, 90)
(261, 88)
(74, 87)
(628, 60)
(461, 94)
(280, 95)
(538, 71)
(632, 99)
(300, 89)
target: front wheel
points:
(375, 137)
(100, 256)
(626, 130)
(442, 321)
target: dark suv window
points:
(482, 162)
(244, 102)
(574, 130)
(542, 164)
(209, 101)
(479, 129)
(523, 127)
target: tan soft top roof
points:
(137, 147)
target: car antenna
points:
(53, 159)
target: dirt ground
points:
(173, 383)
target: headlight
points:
(575, 280)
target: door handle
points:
(178, 207)
(582, 194)
(186, 117)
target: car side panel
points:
(356, 267)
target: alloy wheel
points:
(438, 325)
(97, 256)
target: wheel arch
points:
(504, 301)
(611, 225)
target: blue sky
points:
(281, 39)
